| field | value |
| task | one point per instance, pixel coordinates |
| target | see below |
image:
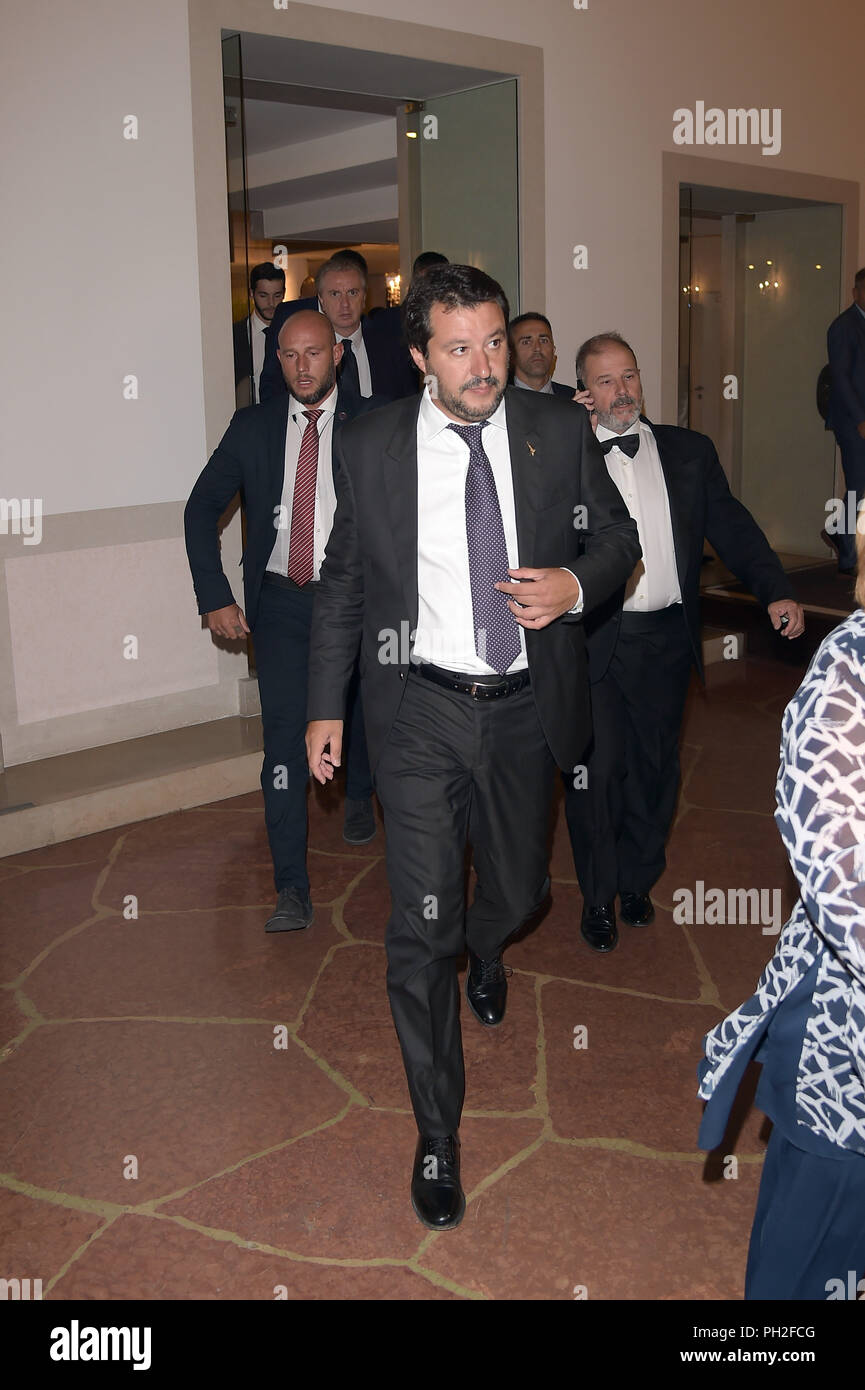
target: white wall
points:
(110, 225)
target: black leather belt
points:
(479, 687)
(282, 581)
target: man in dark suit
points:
(371, 364)
(846, 340)
(279, 457)
(267, 287)
(645, 639)
(440, 499)
(533, 355)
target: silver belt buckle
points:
(476, 685)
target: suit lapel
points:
(680, 512)
(400, 479)
(276, 431)
(526, 472)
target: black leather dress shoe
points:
(436, 1192)
(359, 825)
(487, 989)
(636, 909)
(598, 926)
(291, 913)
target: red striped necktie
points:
(301, 542)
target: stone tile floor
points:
(192, 1109)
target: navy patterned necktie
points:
(497, 635)
(348, 374)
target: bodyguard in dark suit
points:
(267, 288)
(371, 364)
(533, 355)
(470, 699)
(846, 341)
(645, 639)
(278, 456)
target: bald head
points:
(309, 356)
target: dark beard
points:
(457, 406)
(319, 394)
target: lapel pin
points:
(530, 448)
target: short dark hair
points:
(343, 260)
(452, 286)
(426, 259)
(526, 318)
(859, 277)
(597, 344)
(265, 271)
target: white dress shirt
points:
(358, 347)
(257, 330)
(325, 493)
(445, 628)
(654, 583)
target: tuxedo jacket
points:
(369, 586)
(701, 507)
(250, 460)
(391, 372)
(846, 342)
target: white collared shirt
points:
(542, 390)
(325, 492)
(257, 330)
(358, 347)
(654, 583)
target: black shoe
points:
(291, 913)
(487, 989)
(436, 1192)
(359, 827)
(636, 909)
(598, 926)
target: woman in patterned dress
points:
(806, 1020)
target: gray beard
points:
(615, 423)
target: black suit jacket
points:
(249, 459)
(559, 389)
(369, 578)
(846, 342)
(392, 375)
(701, 506)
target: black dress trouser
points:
(619, 821)
(456, 770)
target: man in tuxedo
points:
(440, 499)
(371, 364)
(267, 287)
(279, 457)
(644, 640)
(533, 355)
(846, 340)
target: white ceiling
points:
(272, 124)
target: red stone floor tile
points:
(635, 1077)
(186, 1100)
(653, 960)
(12, 1018)
(344, 1191)
(617, 1226)
(38, 907)
(210, 964)
(37, 1238)
(146, 1258)
(366, 912)
(717, 781)
(87, 849)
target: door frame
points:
(678, 169)
(316, 24)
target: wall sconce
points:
(393, 284)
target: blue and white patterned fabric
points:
(821, 816)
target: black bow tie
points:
(628, 443)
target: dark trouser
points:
(809, 1226)
(282, 653)
(852, 447)
(456, 769)
(620, 820)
